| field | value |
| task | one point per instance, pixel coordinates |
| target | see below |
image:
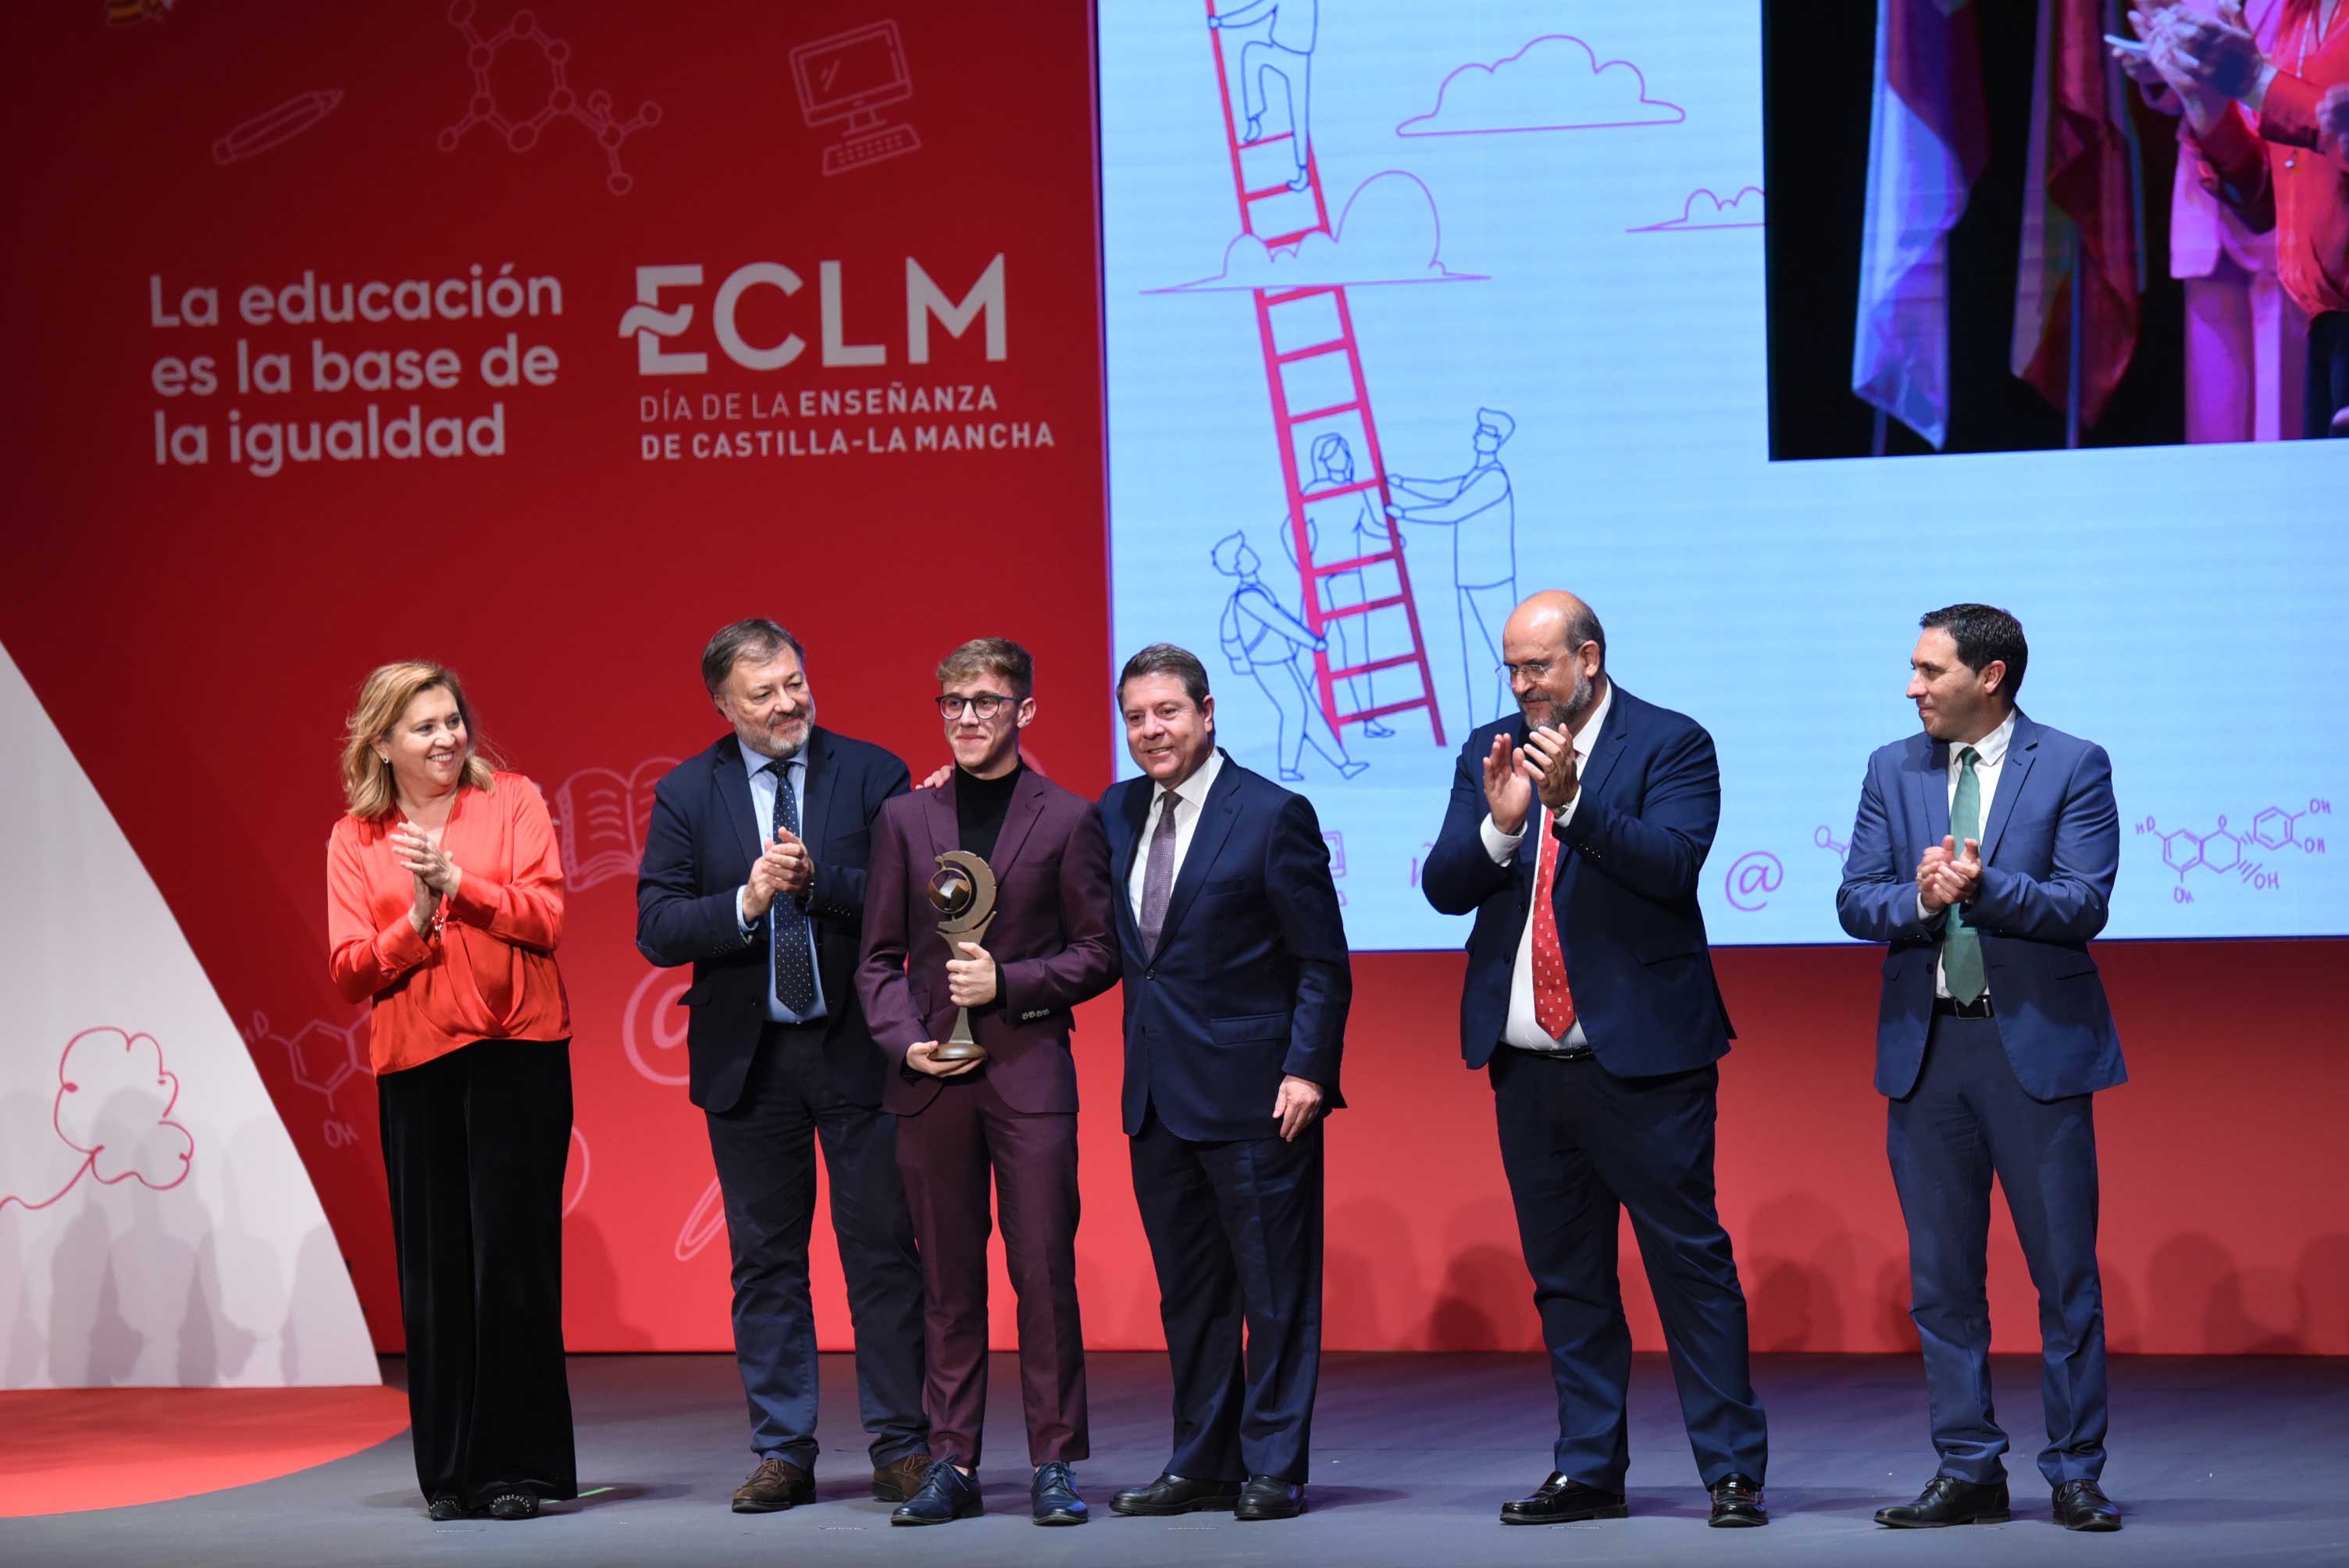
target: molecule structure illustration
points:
(2238, 851)
(562, 101)
(321, 1057)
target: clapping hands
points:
(2206, 60)
(1946, 877)
(415, 851)
(783, 870)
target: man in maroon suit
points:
(1010, 1117)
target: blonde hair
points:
(991, 657)
(367, 778)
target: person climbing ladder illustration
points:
(1287, 52)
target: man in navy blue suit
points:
(1236, 984)
(754, 873)
(1984, 857)
(1576, 833)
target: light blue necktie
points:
(1961, 954)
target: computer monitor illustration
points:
(846, 81)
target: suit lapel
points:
(2022, 746)
(1933, 776)
(1026, 806)
(1606, 747)
(1123, 826)
(1216, 820)
(815, 805)
(939, 819)
(734, 797)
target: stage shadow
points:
(1486, 1299)
(604, 1494)
(1677, 1502)
(1321, 1499)
(2219, 1511)
(1822, 1503)
(1353, 1282)
(1792, 1283)
(2209, 1302)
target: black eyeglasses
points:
(985, 705)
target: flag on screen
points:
(2080, 208)
(1927, 145)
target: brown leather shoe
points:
(901, 1478)
(775, 1486)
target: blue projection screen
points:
(1537, 317)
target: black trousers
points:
(1235, 1231)
(765, 1151)
(474, 1144)
(1581, 1148)
(2328, 372)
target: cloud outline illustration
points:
(173, 1157)
(1476, 80)
(1382, 245)
(1687, 219)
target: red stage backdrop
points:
(543, 341)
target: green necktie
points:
(1962, 955)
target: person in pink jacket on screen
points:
(2246, 342)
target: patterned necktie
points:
(1158, 876)
(1961, 954)
(1553, 998)
(794, 954)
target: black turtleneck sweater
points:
(981, 805)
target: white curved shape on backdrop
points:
(156, 1225)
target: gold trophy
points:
(962, 889)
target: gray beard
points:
(1569, 712)
(1585, 697)
(783, 753)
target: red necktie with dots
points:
(1553, 998)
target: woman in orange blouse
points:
(2273, 134)
(444, 904)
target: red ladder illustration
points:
(1285, 421)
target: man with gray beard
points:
(1576, 833)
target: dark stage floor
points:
(2216, 1461)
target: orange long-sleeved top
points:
(489, 972)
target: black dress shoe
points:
(515, 1505)
(2083, 1505)
(1172, 1493)
(775, 1485)
(947, 1495)
(1737, 1501)
(444, 1508)
(1945, 1500)
(1558, 1501)
(1269, 1497)
(1052, 1496)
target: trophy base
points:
(960, 1051)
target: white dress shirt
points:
(1522, 1030)
(1192, 794)
(1990, 761)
